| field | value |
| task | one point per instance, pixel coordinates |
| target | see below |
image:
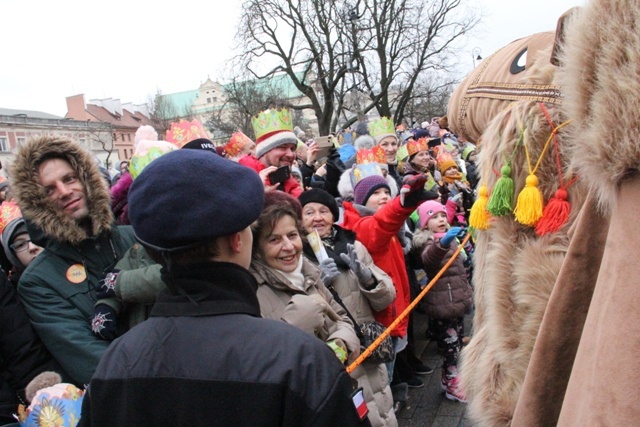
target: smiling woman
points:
(290, 288)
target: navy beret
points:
(187, 197)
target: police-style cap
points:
(188, 197)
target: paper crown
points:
(271, 121)
(146, 152)
(8, 212)
(402, 153)
(58, 405)
(185, 131)
(379, 128)
(415, 146)
(236, 143)
(374, 155)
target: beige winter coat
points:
(372, 377)
(275, 293)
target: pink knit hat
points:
(427, 210)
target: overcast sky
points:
(129, 49)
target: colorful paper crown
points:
(271, 121)
(414, 146)
(146, 152)
(374, 155)
(8, 212)
(402, 153)
(382, 127)
(236, 143)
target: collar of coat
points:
(207, 289)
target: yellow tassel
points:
(529, 207)
(479, 216)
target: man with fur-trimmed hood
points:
(66, 205)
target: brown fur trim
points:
(31, 197)
(601, 64)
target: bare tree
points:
(405, 41)
(353, 55)
(101, 134)
(162, 112)
(301, 39)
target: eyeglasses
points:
(20, 245)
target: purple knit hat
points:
(367, 186)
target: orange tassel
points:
(479, 216)
(528, 209)
(555, 214)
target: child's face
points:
(452, 171)
(438, 223)
(378, 199)
(472, 157)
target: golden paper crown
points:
(374, 155)
(271, 121)
(236, 143)
(414, 146)
(381, 126)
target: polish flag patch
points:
(360, 404)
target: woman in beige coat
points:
(361, 295)
(290, 288)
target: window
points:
(215, 98)
(83, 142)
(4, 144)
(20, 141)
(208, 100)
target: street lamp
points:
(475, 55)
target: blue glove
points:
(448, 238)
(107, 284)
(103, 323)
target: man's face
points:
(63, 188)
(280, 156)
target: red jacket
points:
(290, 186)
(378, 234)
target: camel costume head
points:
(556, 333)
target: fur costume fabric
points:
(584, 368)
(515, 269)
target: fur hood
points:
(30, 195)
(345, 188)
(599, 76)
(420, 239)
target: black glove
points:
(335, 168)
(413, 192)
(107, 284)
(103, 323)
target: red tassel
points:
(555, 214)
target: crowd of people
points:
(234, 284)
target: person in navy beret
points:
(205, 356)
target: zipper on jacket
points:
(450, 296)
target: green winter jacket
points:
(58, 289)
